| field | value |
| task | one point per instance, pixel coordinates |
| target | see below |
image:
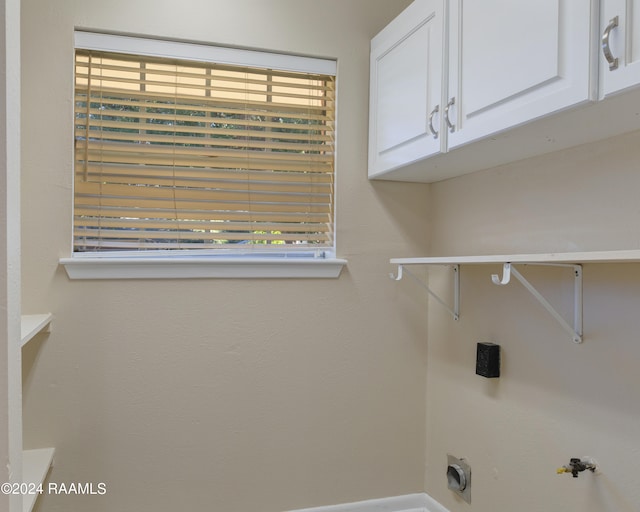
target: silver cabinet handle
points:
(606, 49)
(451, 126)
(431, 128)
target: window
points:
(184, 149)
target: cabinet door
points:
(620, 39)
(406, 88)
(511, 62)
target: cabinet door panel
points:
(402, 88)
(406, 77)
(494, 67)
(512, 62)
(624, 44)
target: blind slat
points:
(131, 60)
(206, 186)
(137, 116)
(170, 153)
(188, 225)
(197, 90)
(221, 163)
(105, 93)
(97, 128)
(143, 137)
(238, 247)
(121, 234)
(109, 212)
(207, 106)
(193, 194)
(299, 188)
(179, 204)
(103, 69)
(103, 172)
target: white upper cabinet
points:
(406, 88)
(461, 85)
(512, 62)
(620, 46)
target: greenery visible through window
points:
(176, 154)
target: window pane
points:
(184, 155)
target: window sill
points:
(198, 268)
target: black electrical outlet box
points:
(488, 360)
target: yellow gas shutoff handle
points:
(577, 466)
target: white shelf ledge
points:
(35, 466)
(198, 268)
(32, 325)
(573, 260)
(626, 256)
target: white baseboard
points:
(432, 505)
(420, 502)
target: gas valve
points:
(577, 466)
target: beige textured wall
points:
(225, 395)
(555, 399)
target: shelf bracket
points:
(455, 310)
(576, 331)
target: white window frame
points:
(161, 265)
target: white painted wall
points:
(242, 395)
(229, 395)
(555, 399)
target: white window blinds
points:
(178, 154)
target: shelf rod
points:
(455, 311)
(576, 331)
